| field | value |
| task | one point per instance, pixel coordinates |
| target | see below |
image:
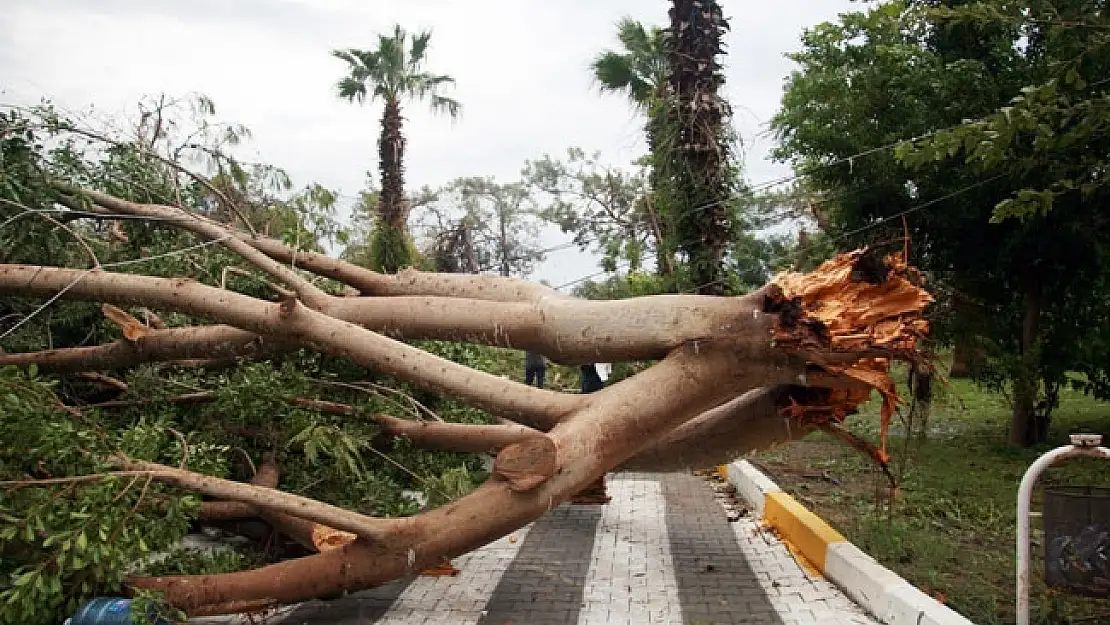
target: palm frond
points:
(637, 71)
(419, 49)
(425, 84)
(348, 55)
(632, 35)
(392, 72)
(351, 89)
(613, 71)
(443, 104)
(617, 73)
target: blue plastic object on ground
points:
(105, 611)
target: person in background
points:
(593, 380)
(535, 367)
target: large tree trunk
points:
(835, 330)
(1025, 426)
(961, 359)
(696, 163)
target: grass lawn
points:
(950, 530)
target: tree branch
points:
(751, 422)
(201, 180)
(208, 229)
(301, 325)
(462, 437)
(408, 281)
(369, 528)
(266, 476)
(215, 342)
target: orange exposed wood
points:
(132, 328)
(855, 303)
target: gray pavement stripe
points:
(545, 583)
(360, 608)
(716, 583)
(631, 579)
(458, 600)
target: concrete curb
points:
(818, 546)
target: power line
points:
(914, 209)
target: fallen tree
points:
(734, 374)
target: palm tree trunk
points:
(391, 155)
(390, 249)
(698, 166)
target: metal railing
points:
(1081, 445)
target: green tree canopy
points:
(878, 78)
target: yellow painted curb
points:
(806, 534)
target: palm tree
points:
(393, 72)
(640, 71)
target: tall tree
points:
(393, 72)
(694, 150)
(1051, 138)
(639, 71)
(870, 83)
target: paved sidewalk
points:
(662, 551)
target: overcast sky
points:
(522, 71)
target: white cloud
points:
(521, 70)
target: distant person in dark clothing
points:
(591, 381)
(535, 366)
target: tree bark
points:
(216, 342)
(366, 527)
(961, 360)
(751, 422)
(391, 155)
(1024, 428)
(457, 436)
(407, 281)
(304, 326)
(567, 331)
(390, 247)
(696, 155)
